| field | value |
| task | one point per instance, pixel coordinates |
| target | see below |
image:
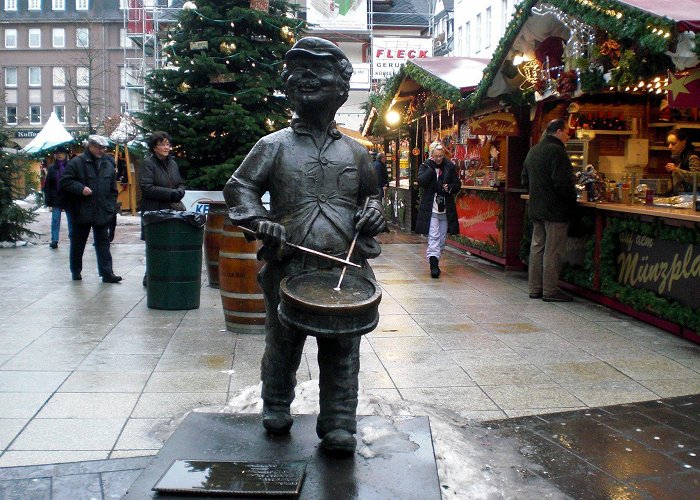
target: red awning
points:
(685, 12)
(464, 73)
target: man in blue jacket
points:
(549, 177)
(91, 180)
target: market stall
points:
(416, 108)
(623, 74)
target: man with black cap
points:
(318, 181)
(91, 179)
(53, 197)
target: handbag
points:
(178, 205)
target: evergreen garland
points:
(641, 299)
(432, 83)
(634, 26)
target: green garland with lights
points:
(638, 28)
(432, 83)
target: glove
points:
(177, 195)
(371, 222)
(273, 236)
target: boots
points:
(434, 269)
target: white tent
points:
(52, 135)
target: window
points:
(35, 76)
(81, 4)
(10, 39)
(487, 28)
(35, 114)
(34, 38)
(124, 40)
(59, 5)
(458, 44)
(34, 5)
(10, 4)
(83, 112)
(59, 77)
(505, 12)
(82, 37)
(83, 77)
(478, 33)
(11, 115)
(59, 37)
(10, 77)
(467, 39)
(60, 111)
(123, 4)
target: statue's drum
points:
(309, 302)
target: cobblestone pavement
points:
(90, 374)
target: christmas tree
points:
(220, 88)
(14, 220)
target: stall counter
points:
(642, 260)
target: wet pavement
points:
(594, 403)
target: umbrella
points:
(53, 134)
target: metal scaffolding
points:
(144, 23)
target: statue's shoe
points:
(339, 442)
(277, 422)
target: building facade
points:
(479, 25)
(62, 56)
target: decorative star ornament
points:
(678, 85)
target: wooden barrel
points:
(217, 214)
(241, 296)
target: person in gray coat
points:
(90, 181)
(548, 175)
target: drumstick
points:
(352, 247)
(309, 250)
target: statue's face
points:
(313, 83)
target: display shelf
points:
(675, 124)
(611, 132)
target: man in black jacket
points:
(549, 177)
(91, 179)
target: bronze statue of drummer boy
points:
(318, 181)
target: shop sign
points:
(360, 78)
(337, 15)
(667, 268)
(684, 89)
(494, 124)
(390, 53)
(478, 218)
(26, 133)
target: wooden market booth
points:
(622, 73)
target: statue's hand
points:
(371, 222)
(273, 236)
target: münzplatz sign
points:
(667, 268)
(390, 53)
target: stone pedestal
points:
(394, 459)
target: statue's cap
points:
(315, 47)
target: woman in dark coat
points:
(161, 184)
(437, 213)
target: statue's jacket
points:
(315, 189)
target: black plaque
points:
(233, 478)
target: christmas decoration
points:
(216, 102)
